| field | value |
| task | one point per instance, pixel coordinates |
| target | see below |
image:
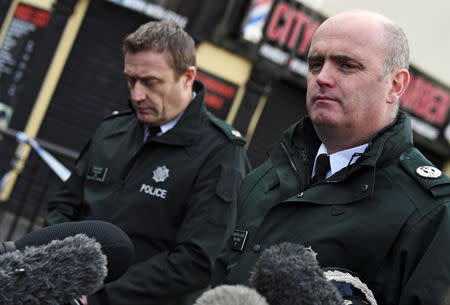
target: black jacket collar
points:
(388, 143)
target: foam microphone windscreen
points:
(289, 274)
(231, 295)
(350, 286)
(52, 274)
(115, 243)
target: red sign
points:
(32, 15)
(219, 93)
(291, 27)
(426, 100)
(287, 36)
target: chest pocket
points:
(270, 185)
(228, 183)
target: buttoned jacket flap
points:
(343, 192)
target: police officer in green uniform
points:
(166, 172)
(373, 204)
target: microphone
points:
(231, 295)
(350, 286)
(115, 243)
(52, 274)
(288, 274)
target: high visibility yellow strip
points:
(236, 105)
(221, 62)
(447, 168)
(7, 21)
(256, 116)
(47, 90)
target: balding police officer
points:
(346, 180)
(167, 172)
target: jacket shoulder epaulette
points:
(118, 113)
(425, 173)
(231, 133)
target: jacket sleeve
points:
(426, 255)
(67, 203)
(209, 217)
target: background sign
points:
(287, 36)
(430, 104)
(17, 49)
(152, 10)
(219, 93)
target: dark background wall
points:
(92, 84)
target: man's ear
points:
(189, 76)
(399, 81)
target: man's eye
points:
(348, 66)
(314, 66)
(131, 81)
(150, 83)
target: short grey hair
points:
(397, 55)
(163, 36)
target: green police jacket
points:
(378, 217)
(175, 197)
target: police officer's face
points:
(157, 93)
(347, 91)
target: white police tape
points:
(59, 169)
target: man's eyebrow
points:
(144, 77)
(340, 58)
(314, 57)
(348, 59)
(343, 58)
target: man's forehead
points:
(347, 39)
(332, 48)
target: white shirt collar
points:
(164, 127)
(340, 159)
(171, 124)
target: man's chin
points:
(146, 119)
(324, 121)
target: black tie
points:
(322, 167)
(153, 131)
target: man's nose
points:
(137, 92)
(327, 75)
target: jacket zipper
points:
(304, 157)
(129, 166)
(294, 168)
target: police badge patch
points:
(428, 172)
(160, 174)
(236, 133)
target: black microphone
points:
(115, 243)
(52, 274)
(288, 274)
(231, 295)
